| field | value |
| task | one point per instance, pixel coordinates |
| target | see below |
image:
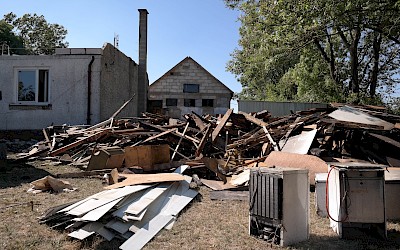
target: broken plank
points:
(155, 136)
(221, 124)
(145, 234)
(156, 207)
(91, 228)
(199, 123)
(271, 140)
(253, 119)
(79, 142)
(122, 107)
(104, 198)
(143, 202)
(217, 185)
(133, 179)
(179, 142)
(203, 141)
(119, 226)
(212, 164)
(97, 213)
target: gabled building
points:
(73, 86)
(188, 87)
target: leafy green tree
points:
(38, 36)
(346, 49)
(8, 37)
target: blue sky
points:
(205, 30)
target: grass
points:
(205, 224)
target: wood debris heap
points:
(134, 210)
(228, 144)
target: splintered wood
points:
(154, 142)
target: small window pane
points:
(26, 85)
(171, 102)
(43, 92)
(190, 102)
(190, 88)
(208, 103)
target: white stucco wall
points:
(68, 80)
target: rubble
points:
(219, 150)
(226, 143)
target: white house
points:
(73, 86)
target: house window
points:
(208, 103)
(191, 88)
(189, 103)
(171, 102)
(33, 85)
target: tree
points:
(347, 49)
(38, 36)
(8, 37)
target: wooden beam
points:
(203, 140)
(179, 142)
(221, 124)
(199, 123)
(271, 140)
(155, 136)
(122, 107)
(79, 142)
(254, 120)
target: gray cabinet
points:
(279, 205)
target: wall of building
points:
(189, 72)
(119, 82)
(68, 83)
(277, 108)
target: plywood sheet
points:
(146, 156)
(349, 114)
(291, 160)
(217, 185)
(134, 179)
(300, 144)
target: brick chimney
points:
(142, 69)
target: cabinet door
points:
(365, 200)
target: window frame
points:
(190, 102)
(171, 99)
(207, 100)
(36, 82)
(187, 90)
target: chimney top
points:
(142, 10)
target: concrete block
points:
(63, 51)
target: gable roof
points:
(183, 61)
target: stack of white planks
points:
(135, 212)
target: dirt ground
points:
(204, 224)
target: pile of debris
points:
(226, 145)
(220, 150)
(134, 210)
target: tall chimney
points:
(142, 70)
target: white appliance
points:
(279, 205)
(356, 199)
(320, 194)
